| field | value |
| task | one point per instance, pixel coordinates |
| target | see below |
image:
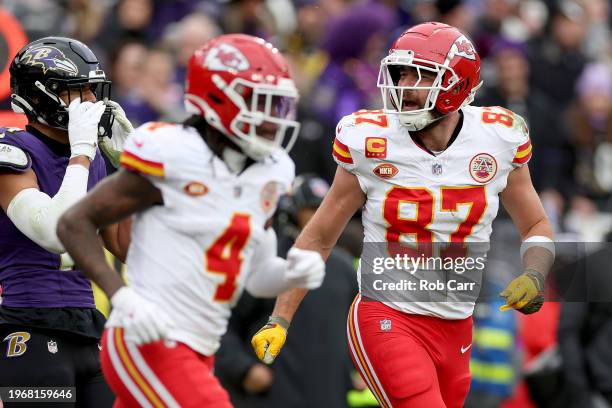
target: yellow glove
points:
(269, 340)
(525, 293)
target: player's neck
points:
(235, 161)
(437, 136)
(58, 135)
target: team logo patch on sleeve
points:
(483, 167)
(376, 147)
(14, 157)
(269, 197)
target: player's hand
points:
(142, 321)
(525, 293)
(121, 129)
(269, 340)
(305, 268)
(83, 119)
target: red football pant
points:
(407, 360)
(159, 374)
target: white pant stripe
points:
(123, 375)
(359, 366)
(363, 352)
(150, 376)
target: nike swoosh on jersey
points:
(464, 349)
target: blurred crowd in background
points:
(547, 60)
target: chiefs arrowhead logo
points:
(226, 57)
(385, 170)
(463, 48)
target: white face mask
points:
(393, 94)
(272, 106)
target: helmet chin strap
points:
(414, 123)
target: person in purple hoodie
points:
(49, 326)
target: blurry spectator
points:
(456, 13)
(158, 89)
(355, 43)
(591, 125)
(558, 60)
(248, 17)
(495, 12)
(422, 11)
(166, 12)
(597, 44)
(549, 167)
(306, 58)
(127, 65)
(144, 84)
(314, 369)
(129, 20)
(187, 35)
(39, 18)
(86, 18)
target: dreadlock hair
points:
(216, 140)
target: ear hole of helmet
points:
(215, 98)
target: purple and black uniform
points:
(35, 292)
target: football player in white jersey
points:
(202, 193)
(426, 168)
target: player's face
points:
(415, 98)
(277, 109)
(85, 93)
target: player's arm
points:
(113, 199)
(520, 199)
(35, 213)
(272, 275)
(320, 234)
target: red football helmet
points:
(241, 85)
(442, 50)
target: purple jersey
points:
(30, 275)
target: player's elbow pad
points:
(36, 214)
(269, 280)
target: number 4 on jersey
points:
(224, 255)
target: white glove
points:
(142, 321)
(305, 268)
(83, 119)
(121, 129)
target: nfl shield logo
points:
(52, 346)
(436, 169)
(385, 325)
